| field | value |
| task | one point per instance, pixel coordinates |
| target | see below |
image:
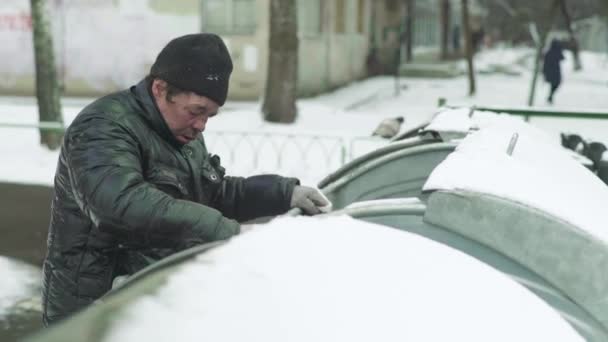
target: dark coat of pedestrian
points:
(551, 67)
(135, 182)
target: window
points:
(229, 16)
(309, 17)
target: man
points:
(135, 182)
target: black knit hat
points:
(196, 62)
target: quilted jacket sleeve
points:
(247, 198)
(104, 162)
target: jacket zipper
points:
(187, 154)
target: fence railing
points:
(592, 125)
(307, 156)
(42, 125)
(529, 112)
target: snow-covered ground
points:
(19, 282)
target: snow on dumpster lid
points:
(460, 120)
(457, 123)
(338, 279)
(538, 173)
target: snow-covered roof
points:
(538, 173)
(338, 279)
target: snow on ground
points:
(338, 279)
(19, 282)
(343, 119)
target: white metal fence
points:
(309, 157)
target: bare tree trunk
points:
(409, 30)
(282, 76)
(47, 85)
(573, 41)
(539, 55)
(400, 44)
(468, 45)
(445, 28)
(542, 38)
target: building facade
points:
(106, 45)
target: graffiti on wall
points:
(101, 45)
(16, 54)
(15, 22)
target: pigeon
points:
(594, 151)
(602, 170)
(573, 142)
(388, 128)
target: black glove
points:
(310, 200)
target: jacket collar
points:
(151, 113)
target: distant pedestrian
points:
(551, 67)
(372, 63)
(477, 38)
(456, 39)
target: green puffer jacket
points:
(125, 187)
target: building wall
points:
(16, 57)
(388, 17)
(348, 45)
(249, 53)
(327, 59)
(593, 34)
(427, 23)
(102, 46)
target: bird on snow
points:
(573, 142)
(595, 151)
(388, 128)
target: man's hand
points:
(310, 200)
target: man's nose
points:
(200, 124)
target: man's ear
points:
(159, 88)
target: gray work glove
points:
(310, 200)
(245, 228)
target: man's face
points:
(186, 114)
